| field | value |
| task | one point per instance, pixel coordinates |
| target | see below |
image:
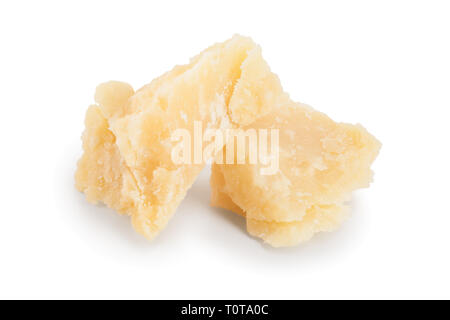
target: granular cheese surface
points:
(320, 163)
(127, 162)
(127, 141)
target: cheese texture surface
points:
(320, 163)
(128, 148)
(127, 141)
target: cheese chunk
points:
(127, 143)
(320, 163)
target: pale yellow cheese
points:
(320, 163)
(127, 142)
(127, 162)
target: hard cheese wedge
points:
(320, 163)
(127, 142)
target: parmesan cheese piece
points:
(127, 142)
(320, 163)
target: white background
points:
(384, 64)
